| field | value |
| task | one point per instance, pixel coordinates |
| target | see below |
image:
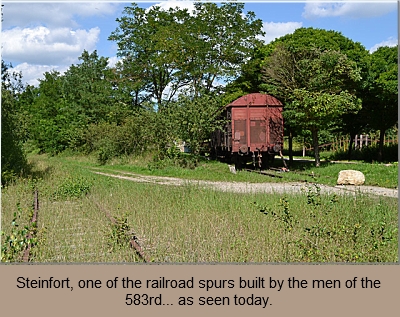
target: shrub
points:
(369, 154)
(72, 188)
(110, 140)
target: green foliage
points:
(172, 157)
(15, 242)
(72, 188)
(380, 100)
(314, 195)
(369, 154)
(61, 108)
(132, 137)
(175, 48)
(194, 118)
(316, 85)
(47, 115)
(13, 159)
(93, 101)
(284, 216)
(120, 234)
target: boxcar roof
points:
(256, 99)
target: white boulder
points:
(350, 177)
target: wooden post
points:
(361, 141)
(355, 142)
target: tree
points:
(89, 91)
(49, 123)
(224, 39)
(381, 94)
(173, 49)
(251, 77)
(313, 83)
(63, 106)
(13, 160)
(193, 118)
(149, 41)
(129, 84)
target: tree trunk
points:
(290, 148)
(352, 136)
(381, 145)
(316, 148)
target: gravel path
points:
(242, 187)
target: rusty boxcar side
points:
(254, 130)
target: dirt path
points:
(242, 187)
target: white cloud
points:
(41, 45)
(347, 9)
(389, 42)
(46, 36)
(112, 61)
(31, 73)
(52, 15)
(275, 30)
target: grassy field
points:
(191, 224)
(383, 175)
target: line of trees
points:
(178, 68)
(329, 84)
(166, 87)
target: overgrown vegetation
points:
(148, 103)
(326, 233)
(120, 233)
(72, 188)
(192, 224)
(13, 159)
(369, 154)
(166, 90)
(20, 237)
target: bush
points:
(172, 157)
(369, 154)
(110, 140)
(72, 188)
(13, 159)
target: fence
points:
(342, 143)
(360, 141)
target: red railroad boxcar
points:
(254, 131)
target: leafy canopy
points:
(175, 48)
(317, 84)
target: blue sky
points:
(41, 36)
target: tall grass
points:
(192, 224)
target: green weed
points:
(120, 234)
(17, 241)
(327, 233)
(72, 188)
